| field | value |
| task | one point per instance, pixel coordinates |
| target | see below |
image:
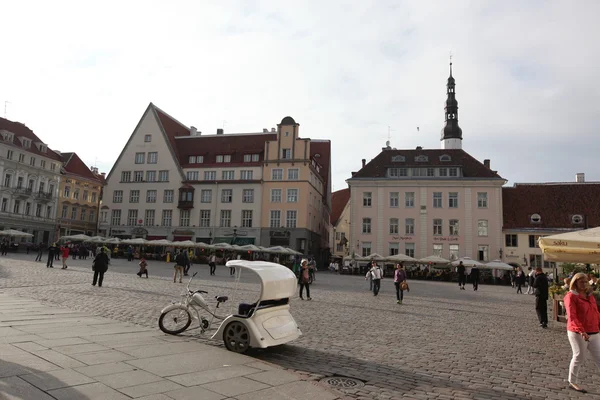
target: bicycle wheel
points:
(174, 321)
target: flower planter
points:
(559, 314)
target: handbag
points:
(404, 286)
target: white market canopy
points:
(279, 250)
(375, 257)
(113, 240)
(97, 239)
(434, 260)
(13, 232)
(136, 241)
(80, 237)
(578, 247)
(401, 258)
(221, 246)
(498, 264)
(159, 242)
(185, 243)
(467, 262)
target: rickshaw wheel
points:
(236, 337)
(174, 321)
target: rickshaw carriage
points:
(264, 323)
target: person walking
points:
(212, 263)
(371, 265)
(187, 265)
(100, 266)
(475, 277)
(179, 266)
(304, 279)
(399, 280)
(40, 252)
(540, 287)
(583, 325)
(130, 253)
(520, 279)
(65, 256)
(530, 279)
(462, 278)
(143, 268)
(52, 250)
(376, 275)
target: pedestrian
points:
(143, 268)
(520, 279)
(40, 252)
(212, 263)
(304, 279)
(179, 266)
(376, 274)
(400, 282)
(65, 255)
(369, 266)
(130, 253)
(540, 286)
(187, 265)
(52, 250)
(100, 266)
(462, 278)
(232, 269)
(583, 324)
(475, 277)
(4, 247)
(530, 279)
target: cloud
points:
(80, 75)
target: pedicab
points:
(264, 323)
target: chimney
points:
(265, 130)
(95, 170)
(353, 173)
(486, 163)
(273, 130)
(193, 131)
(580, 177)
(219, 131)
(364, 162)
(419, 148)
(103, 174)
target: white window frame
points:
(276, 195)
(226, 196)
(409, 199)
(277, 174)
(140, 158)
(367, 199)
(291, 219)
(206, 196)
(275, 218)
(366, 226)
(292, 195)
(482, 200)
(248, 196)
(482, 227)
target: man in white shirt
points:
(530, 281)
(375, 274)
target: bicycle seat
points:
(222, 299)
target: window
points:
(247, 157)
(246, 218)
(163, 176)
(409, 199)
(394, 199)
(409, 226)
(126, 176)
(453, 224)
(4, 204)
(293, 174)
(7, 179)
(248, 196)
(134, 196)
(167, 217)
(511, 240)
(19, 182)
(115, 217)
(394, 248)
(210, 175)
(86, 195)
(21, 158)
(41, 187)
(437, 226)
(149, 218)
(454, 250)
(192, 175)
(38, 210)
(92, 215)
(205, 218)
(536, 218)
(409, 249)
(275, 219)
(103, 216)
(74, 213)
(393, 226)
(482, 200)
(438, 250)
(366, 249)
(366, 225)
(398, 159)
(65, 211)
(290, 220)
(152, 157)
(246, 175)
(140, 158)
(147, 138)
(445, 157)
(225, 218)
(276, 195)
(430, 171)
(52, 168)
(367, 198)
(184, 218)
(43, 164)
(482, 227)
(255, 157)
(138, 176)
(277, 174)
(437, 199)
(535, 260)
(576, 219)
(132, 217)
(206, 196)
(453, 171)
(191, 159)
(443, 171)
(17, 207)
(117, 196)
(83, 214)
(224, 158)
(453, 200)
(226, 196)
(483, 252)
(228, 175)
(32, 162)
(533, 241)
(67, 192)
(286, 154)
(168, 195)
(9, 154)
(292, 195)
(150, 176)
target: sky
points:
(81, 75)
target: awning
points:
(155, 237)
(179, 238)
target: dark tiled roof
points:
(19, 129)
(323, 149)
(339, 200)
(471, 167)
(72, 164)
(556, 203)
(172, 128)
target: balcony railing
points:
(43, 196)
(30, 217)
(185, 204)
(22, 192)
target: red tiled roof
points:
(556, 203)
(19, 129)
(471, 167)
(172, 128)
(74, 165)
(339, 200)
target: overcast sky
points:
(526, 72)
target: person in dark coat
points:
(520, 279)
(52, 250)
(540, 287)
(40, 252)
(462, 278)
(475, 277)
(100, 267)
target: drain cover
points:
(343, 382)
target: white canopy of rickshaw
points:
(577, 247)
(277, 281)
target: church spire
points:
(451, 134)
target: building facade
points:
(30, 180)
(79, 197)
(340, 222)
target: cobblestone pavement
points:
(441, 343)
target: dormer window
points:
(8, 136)
(535, 218)
(577, 219)
(421, 158)
(25, 142)
(398, 159)
(445, 157)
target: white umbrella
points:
(97, 239)
(375, 257)
(278, 250)
(159, 242)
(222, 246)
(185, 243)
(434, 259)
(12, 232)
(498, 264)
(80, 237)
(467, 262)
(113, 240)
(294, 252)
(136, 241)
(401, 258)
(249, 247)
(202, 245)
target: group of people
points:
(461, 270)
(375, 274)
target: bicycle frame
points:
(188, 302)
